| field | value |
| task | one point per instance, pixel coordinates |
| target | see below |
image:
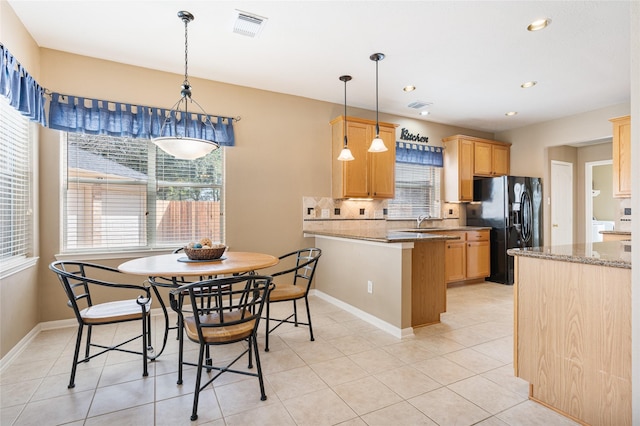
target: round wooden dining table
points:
(169, 270)
(178, 265)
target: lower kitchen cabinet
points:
(455, 258)
(478, 259)
(467, 258)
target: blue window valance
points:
(93, 116)
(20, 88)
(416, 153)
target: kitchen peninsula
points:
(572, 336)
(393, 279)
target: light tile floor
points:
(458, 372)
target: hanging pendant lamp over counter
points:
(377, 145)
(345, 154)
(179, 142)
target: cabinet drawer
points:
(478, 235)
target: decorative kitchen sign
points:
(406, 136)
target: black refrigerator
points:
(512, 207)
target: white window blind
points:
(16, 186)
(123, 193)
(417, 192)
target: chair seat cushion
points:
(222, 333)
(286, 292)
(121, 310)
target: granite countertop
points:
(385, 236)
(615, 254)
(396, 235)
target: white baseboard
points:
(49, 325)
(371, 319)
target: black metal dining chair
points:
(79, 281)
(221, 311)
(292, 284)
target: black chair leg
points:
(266, 337)
(72, 380)
(295, 313)
(249, 341)
(306, 301)
(263, 395)
(180, 337)
(196, 395)
(146, 329)
(88, 345)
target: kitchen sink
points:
(420, 229)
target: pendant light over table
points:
(377, 145)
(179, 143)
(345, 154)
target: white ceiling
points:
(466, 57)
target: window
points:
(16, 188)
(417, 191)
(123, 193)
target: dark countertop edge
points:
(455, 228)
(571, 258)
(616, 232)
(418, 237)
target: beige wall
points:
(19, 292)
(604, 203)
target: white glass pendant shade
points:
(185, 148)
(377, 145)
(346, 155)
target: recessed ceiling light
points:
(409, 88)
(424, 112)
(511, 113)
(528, 84)
(539, 24)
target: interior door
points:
(561, 203)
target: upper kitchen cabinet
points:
(370, 175)
(490, 158)
(468, 156)
(458, 168)
(622, 156)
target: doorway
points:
(599, 201)
(561, 203)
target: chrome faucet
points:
(421, 219)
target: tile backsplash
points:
(330, 208)
(330, 213)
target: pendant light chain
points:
(377, 121)
(186, 52)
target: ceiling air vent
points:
(419, 104)
(248, 24)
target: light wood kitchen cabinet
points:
(455, 255)
(469, 257)
(370, 175)
(478, 255)
(468, 156)
(621, 156)
(490, 159)
(458, 169)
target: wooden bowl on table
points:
(212, 253)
